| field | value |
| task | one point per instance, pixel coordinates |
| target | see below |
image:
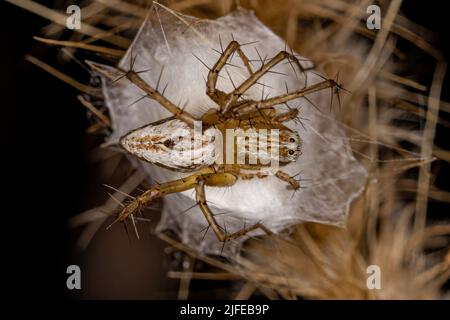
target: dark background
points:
(43, 127)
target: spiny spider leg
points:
(255, 76)
(155, 95)
(334, 89)
(245, 60)
(233, 96)
(151, 93)
(215, 94)
(286, 116)
(241, 54)
(252, 106)
(299, 65)
(158, 191)
(292, 114)
(221, 235)
(287, 178)
(198, 181)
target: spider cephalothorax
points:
(239, 139)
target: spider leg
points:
(253, 106)
(292, 114)
(150, 92)
(286, 116)
(155, 95)
(255, 76)
(287, 178)
(220, 233)
(160, 190)
(256, 118)
(232, 97)
(245, 60)
(215, 94)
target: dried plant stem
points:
(104, 119)
(185, 281)
(376, 50)
(402, 80)
(373, 187)
(291, 28)
(61, 19)
(186, 4)
(88, 12)
(203, 275)
(125, 7)
(63, 77)
(108, 33)
(83, 45)
(193, 253)
(427, 145)
(94, 218)
(402, 26)
(246, 291)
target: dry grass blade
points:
(83, 45)
(125, 7)
(63, 77)
(104, 119)
(427, 144)
(61, 19)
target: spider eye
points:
(291, 152)
(292, 140)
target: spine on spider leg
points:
(211, 90)
(232, 97)
(137, 204)
(285, 177)
(154, 94)
(297, 94)
(290, 115)
(161, 190)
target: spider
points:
(158, 142)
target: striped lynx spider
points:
(160, 144)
